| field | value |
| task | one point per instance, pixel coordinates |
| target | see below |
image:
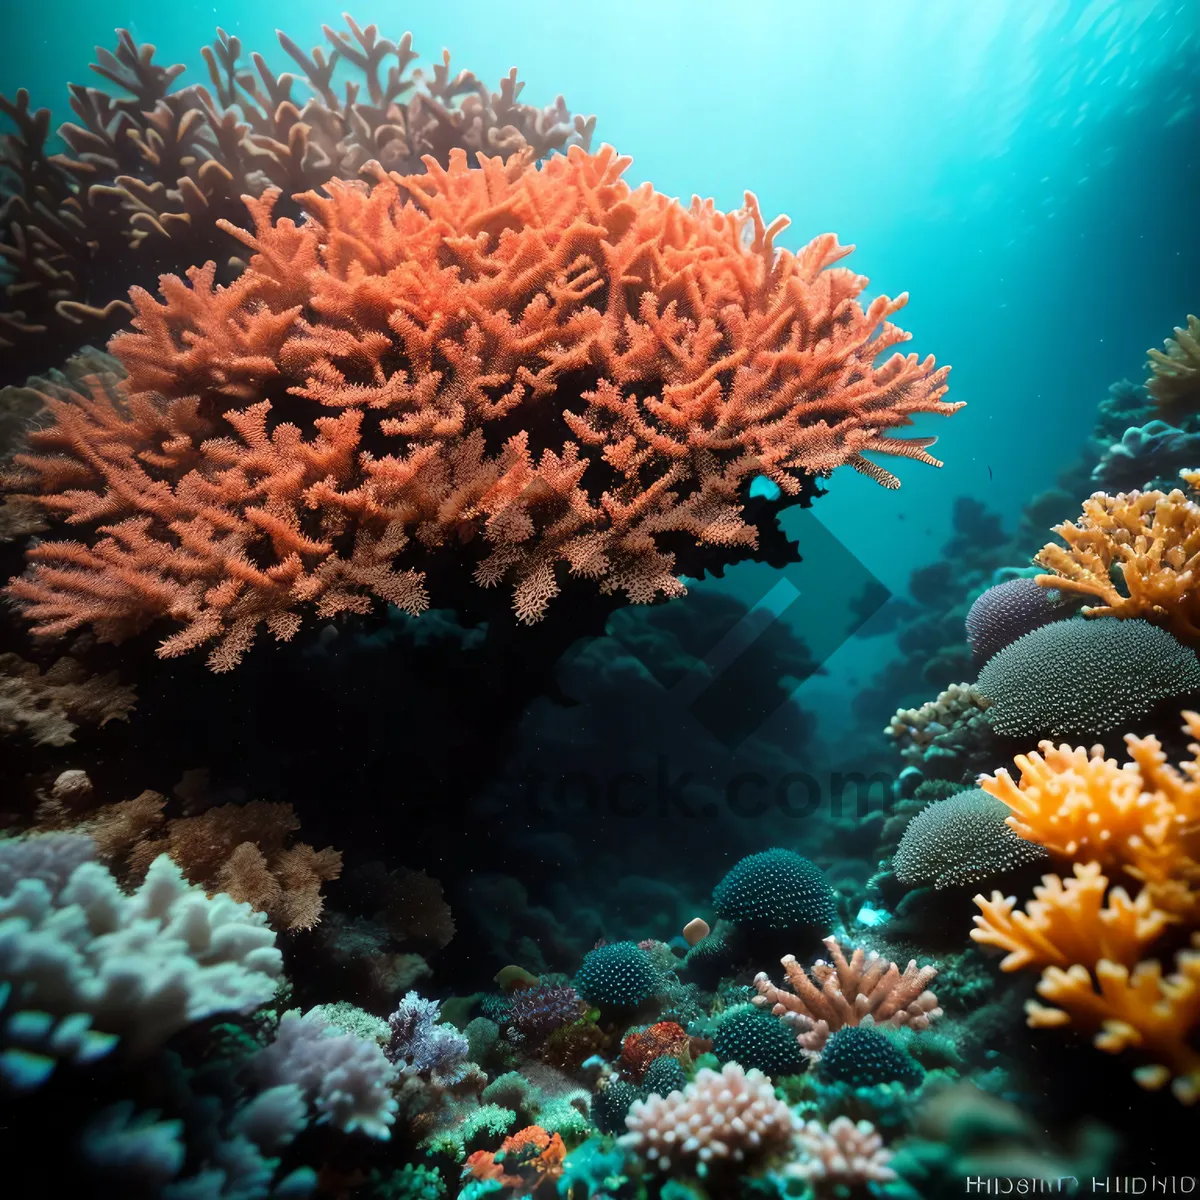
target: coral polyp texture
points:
(527, 372)
(1136, 554)
(1005, 612)
(848, 991)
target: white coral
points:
(720, 1118)
(142, 966)
(844, 1153)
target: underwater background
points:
(556, 840)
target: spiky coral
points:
(849, 992)
(1146, 542)
(150, 170)
(534, 371)
(1140, 820)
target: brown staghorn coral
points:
(1137, 554)
(148, 172)
(533, 373)
(1175, 371)
(48, 706)
(865, 988)
(240, 849)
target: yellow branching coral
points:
(1133, 1009)
(1138, 554)
(1140, 822)
(1070, 921)
(1175, 370)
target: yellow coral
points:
(1070, 922)
(1139, 1009)
(1151, 541)
(1175, 370)
(1141, 819)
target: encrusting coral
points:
(1137, 554)
(1137, 823)
(865, 987)
(148, 172)
(525, 370)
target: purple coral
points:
(1006, 612)
(538, 1011)
(421, 1045)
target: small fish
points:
(989, 470)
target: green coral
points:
(351, 1019)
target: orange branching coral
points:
(1137, 1009)
(639, 1050)
(863, 988)
(534, 372)
(1138, 554)
(1142, 817)
(1070, 921)
(524, 1161)
(1141, 822)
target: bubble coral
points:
(515, 373)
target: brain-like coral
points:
(862, 1056)
(963, 839)
(755, 1038)
(730, 1119)
(1006, 612)
(617, 975)
(776, 892)
(512, 374)
(1080, 679)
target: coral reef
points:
(947, 737)
(223, 518)
(1175, 370)
(148, 173)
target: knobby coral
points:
(530, 371)
(848, 992)
(1137, 554)
(846, 1152)
(150, 170)
(1138, 822)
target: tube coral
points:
(530, 371)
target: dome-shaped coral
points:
(1083, 678)
(863, 1056)
(617, 975)
(757, 1039)
(962, 839)
(776, 896)
(1006, 612)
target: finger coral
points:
(149, 171)
(845, 1152)
(720, 1120)
(1137, 554)
(848, 992)
(529, 373)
